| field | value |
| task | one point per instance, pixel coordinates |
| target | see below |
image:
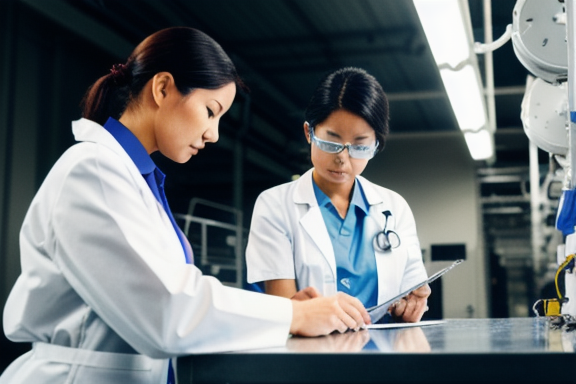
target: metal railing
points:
(215, 256)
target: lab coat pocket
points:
(154, 375)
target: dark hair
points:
(356, 91)
(193, 58)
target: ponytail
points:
(108, 96)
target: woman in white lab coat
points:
(108, 293)
(332, 229)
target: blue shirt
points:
(356, 272)
(153, 176)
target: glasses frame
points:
(352, 149)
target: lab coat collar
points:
(358, 199)
(304, 193)
(372, 195)
(312, 220)
(90, 131)
(132, 146)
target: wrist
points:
(297, 317)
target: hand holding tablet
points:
(378, 311)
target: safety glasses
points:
(356, 151)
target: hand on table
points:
(320, 315)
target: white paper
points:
(404, 325)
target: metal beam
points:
(7, 68)
(82, 25)
(427, 95)
(86, 27)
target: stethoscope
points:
(386, 240)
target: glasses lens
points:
(361, 151)
(355, 151)
(327, 146)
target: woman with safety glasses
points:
(332, 229)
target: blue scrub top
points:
(355, 259)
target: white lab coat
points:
(103, 272)
(289, 240)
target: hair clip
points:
(119, 74)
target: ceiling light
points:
(442, 23)
(480, 144)
(448, 30)
(465, 95)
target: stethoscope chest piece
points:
(386, 239)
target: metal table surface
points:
(511, 350)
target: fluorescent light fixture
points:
(447, 26)
(465, 96)
(480, 144)
(442, 23)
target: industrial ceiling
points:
(283, 47)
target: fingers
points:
(324, 315)
(410, 309)
(423, 292)
(312, 292)
(399, 307)
(348, 310)
(306, 294)
(357, 316)
(342, 326)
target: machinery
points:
(544, 40)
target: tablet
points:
(378, 311)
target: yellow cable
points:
(560, 268)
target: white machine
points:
(544, 39)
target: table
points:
(512, 350)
